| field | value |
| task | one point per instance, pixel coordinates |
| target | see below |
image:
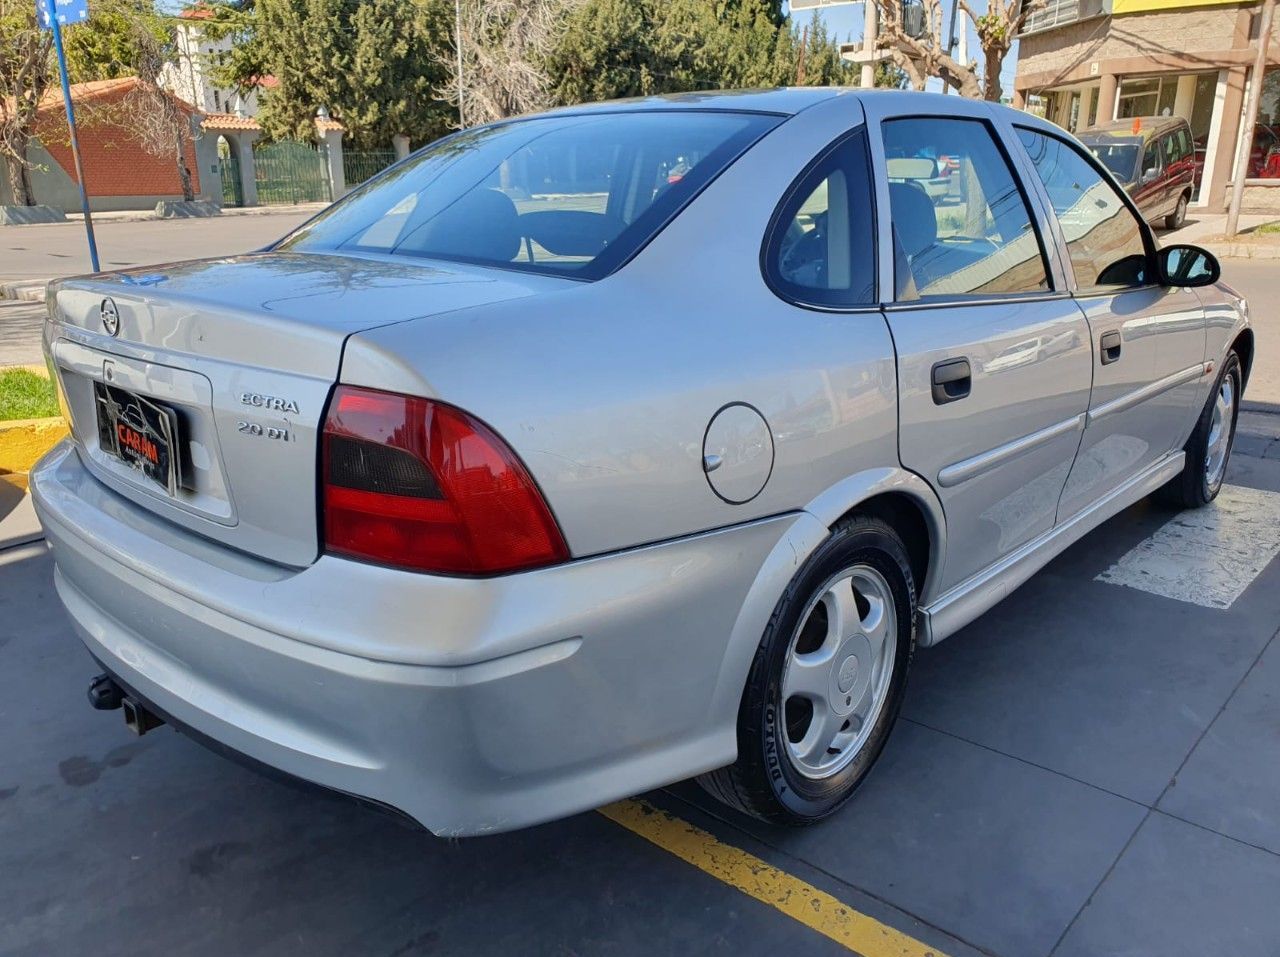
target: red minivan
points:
(1154, 158)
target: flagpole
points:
(51, 6)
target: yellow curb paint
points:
(797, 899)
(23, 441)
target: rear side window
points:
(569, 195)
(1104, 238)
(1177, 146)
(961, 224)
(821, 247)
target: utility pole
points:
(951, 37)
(457, 42)
(870, 31)
(1244, 144)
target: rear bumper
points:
(470, 705)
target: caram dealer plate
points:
(141, 433)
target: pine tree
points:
(616, 48)
(372, 64)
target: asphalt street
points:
(59, 249)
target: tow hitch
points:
(106, 695)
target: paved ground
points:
(1259, 281)
(20, 324)
(1089, 769)
(39, 252)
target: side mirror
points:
(1150, 176)
(1182, 265)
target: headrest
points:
(570, 232)
(911, 167)
(913, 217)
(483, 224)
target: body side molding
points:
(950, 612)
(984, 462)
(1149, 391)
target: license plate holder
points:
(143, 434)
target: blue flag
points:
(68, 11)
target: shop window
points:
(1264, 153)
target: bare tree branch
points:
(924, 56)
(997, 28)
(504, 46)
(26, 72)
(162, 124)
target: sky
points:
(844, 22)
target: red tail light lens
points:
(421, 485)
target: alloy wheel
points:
(838, 671)
(1215, 459)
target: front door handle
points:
(1110, 345)
(952, 380)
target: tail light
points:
(421, 485)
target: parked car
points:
(491, 504)
(1154, 158)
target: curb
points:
(1244, 250)
(24, 290)
(24, 441)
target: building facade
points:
(119, 172)
(190, 76)
(1083, 62)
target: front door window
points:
(1104, 237)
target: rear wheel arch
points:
(907, 503)
(907, 516)
(902, 499)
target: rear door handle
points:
(952, 380)
(1110, 345)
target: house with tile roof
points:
(119, 172)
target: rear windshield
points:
(568, 195)
(1120, 157)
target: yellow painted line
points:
(797, 899)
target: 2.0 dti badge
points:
(624, 444)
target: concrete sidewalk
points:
(1207, 229)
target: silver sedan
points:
(586, 452)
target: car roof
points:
(1148, 126)
(785, 100)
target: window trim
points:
(932, 302)
(776, 228)
(1015, 171)
(1144, 228)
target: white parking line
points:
(1206, 556)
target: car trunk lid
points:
(236, 357)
